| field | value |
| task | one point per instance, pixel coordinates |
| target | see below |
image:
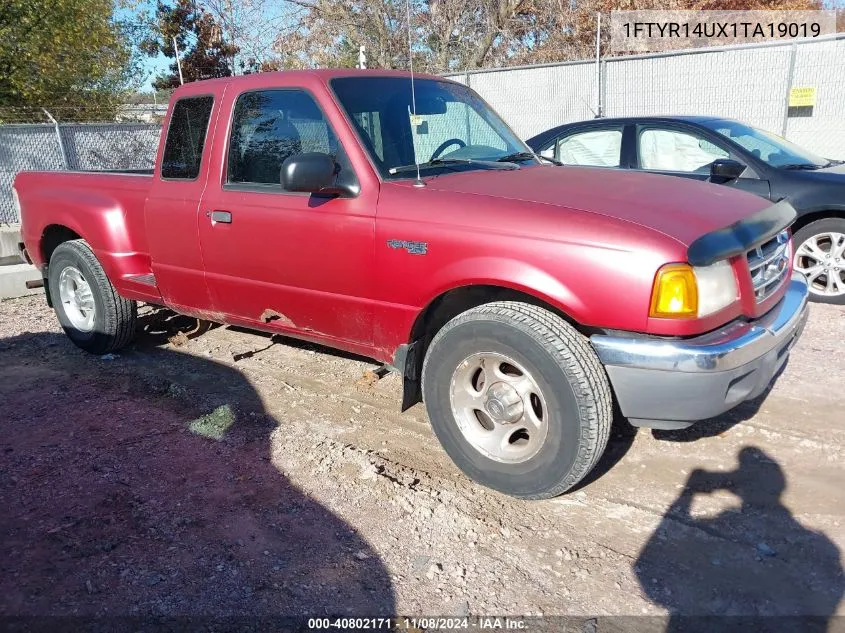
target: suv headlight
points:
(682, 291)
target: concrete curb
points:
(13, 281)
(10, 235)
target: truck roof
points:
(307, 76)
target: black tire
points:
(827, 225)
(565, 368)
(114, 316)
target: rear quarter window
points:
(593, 148)
(186, 138)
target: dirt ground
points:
(223, 472)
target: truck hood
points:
(681, 208)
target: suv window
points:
(269, 126)
(186, 138)
(596, 148)
(673, 150)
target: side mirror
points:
(724, 169)
(311, 172)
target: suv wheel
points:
(518, 399)
(820, 257)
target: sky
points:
(151, 66)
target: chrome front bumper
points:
(672, 383)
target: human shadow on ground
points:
(752, 562)
(623, 434)
(143, 485)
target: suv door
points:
(686, 152)
(277, 259)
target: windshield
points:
(453, 127)
(768, 147)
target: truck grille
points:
(768, 264)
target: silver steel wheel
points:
(821, 259)
(77, 299)
(499, 407)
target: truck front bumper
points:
(670, 384)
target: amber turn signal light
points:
(675, 293)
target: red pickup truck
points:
(403, 220)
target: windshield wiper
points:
(517, 156)
(809, 166)
(446, 162)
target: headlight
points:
(682, 291)
(716, 287)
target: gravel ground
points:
(221, 472)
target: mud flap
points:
(45, 275)
(408, 362)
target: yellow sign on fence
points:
(802, 97)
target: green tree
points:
(68, 56)
(203, 51)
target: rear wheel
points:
(89, 309)
(820, 257)
(518, 399)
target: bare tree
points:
(446, 35)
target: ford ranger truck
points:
(406, 222)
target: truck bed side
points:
(105, 209)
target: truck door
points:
(171, 208)
(280, 260)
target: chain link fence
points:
(76, 146)
(750, 83)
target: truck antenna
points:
(418, 182)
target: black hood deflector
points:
(740, 236)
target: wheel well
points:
(452, 303)
(804, 220)
(442, 310)
(54, 235)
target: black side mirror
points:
(311, 172)
(725, 169)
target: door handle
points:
(223, 217)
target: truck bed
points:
(81, 201)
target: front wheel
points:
(90, 311)
(820, 257)
(518, 399)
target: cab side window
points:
(674, 150)
(595, 148)
(186, 138)
(270, 126)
